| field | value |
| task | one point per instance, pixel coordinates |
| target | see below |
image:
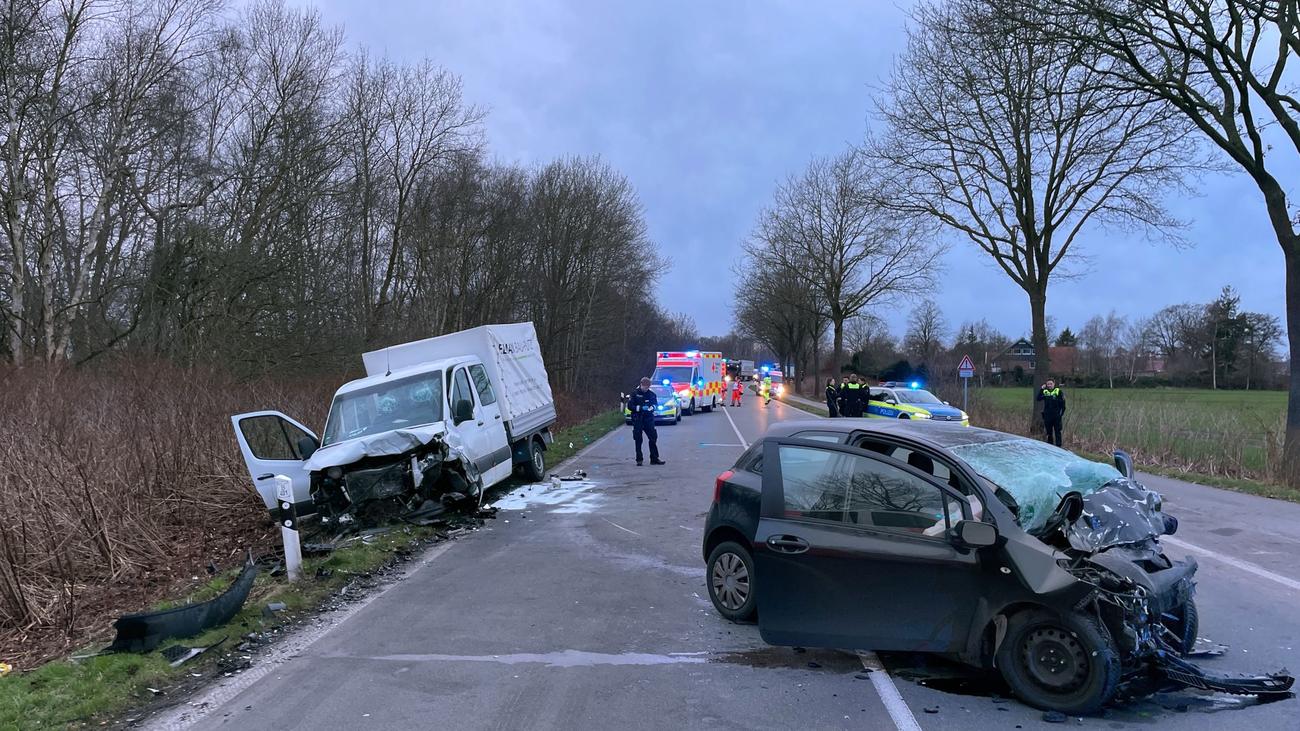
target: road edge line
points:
(744, 443)
(1236, 563)
(893, 701)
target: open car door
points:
(852, 552)
(273, 444)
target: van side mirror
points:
(463, 412)
(975, 533)
(307, 446)
(1124, 463)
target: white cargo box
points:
(513, 359)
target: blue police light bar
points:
(765, 369)
(667, 382)
(916, 384)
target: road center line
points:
(1236, 563)
(888, 692)
(736, 429)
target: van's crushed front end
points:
(406, 473)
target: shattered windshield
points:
(407, 402)
(1035, 473)
(917, 397)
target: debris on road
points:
(178, 655)
(144, 631)
(5, 669)
(1054, 717)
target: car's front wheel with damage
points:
(1066, 663)
(731, 581)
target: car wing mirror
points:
(463, 412)
(975, 533)
(1124, 463)
(891, 401)
(307, 446)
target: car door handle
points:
(497, 417)
(480, 423)
(788, 544)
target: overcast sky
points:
(705, 106)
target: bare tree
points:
(1222, 66)
(1011, 139)
(925, 331)
(829, 225)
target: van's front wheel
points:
(535, 467)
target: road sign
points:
(965, 369)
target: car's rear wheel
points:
(679, 417)
(1183, 623)
(690, 410)
(731, 581)
(1061, 663)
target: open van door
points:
(273, 444)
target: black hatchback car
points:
(1000, 551)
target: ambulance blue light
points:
(667, 382)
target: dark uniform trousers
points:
(643, 405)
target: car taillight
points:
(717, 485)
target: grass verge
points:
(67, 694)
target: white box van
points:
(445, 417)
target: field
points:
(1234, 434)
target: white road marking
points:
(703, 444)
(888, 692)
(736, 429)
(616, 525)
(1236, 563)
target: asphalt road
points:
(585, 607)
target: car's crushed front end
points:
(1110, 542)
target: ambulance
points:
(695, 376)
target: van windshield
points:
(411, 401)
(673, 374)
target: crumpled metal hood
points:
(1122, 512)
(396, 441)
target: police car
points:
(894, 400)
(669, 410)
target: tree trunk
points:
(837, 325)
(1042, 357)
(1291, 449)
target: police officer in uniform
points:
(832, 399)
(643, 403)
(851, 397)
(1053, 410)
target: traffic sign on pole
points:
(965, 369)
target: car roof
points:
(937, 435)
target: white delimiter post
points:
(289, 528)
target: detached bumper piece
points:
(1267, 687)
(145, 631)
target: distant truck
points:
(695, 376)
(434, 421)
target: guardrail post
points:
(289, 528)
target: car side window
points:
(270, 437)
(460, 388)
(814, 482)
(885, 497)
(483, 385)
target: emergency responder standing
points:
(832, 399)
(737, 390)
(726, 386)
(851, 397)
(1053, 410)
(765, 390)
(643, 404)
